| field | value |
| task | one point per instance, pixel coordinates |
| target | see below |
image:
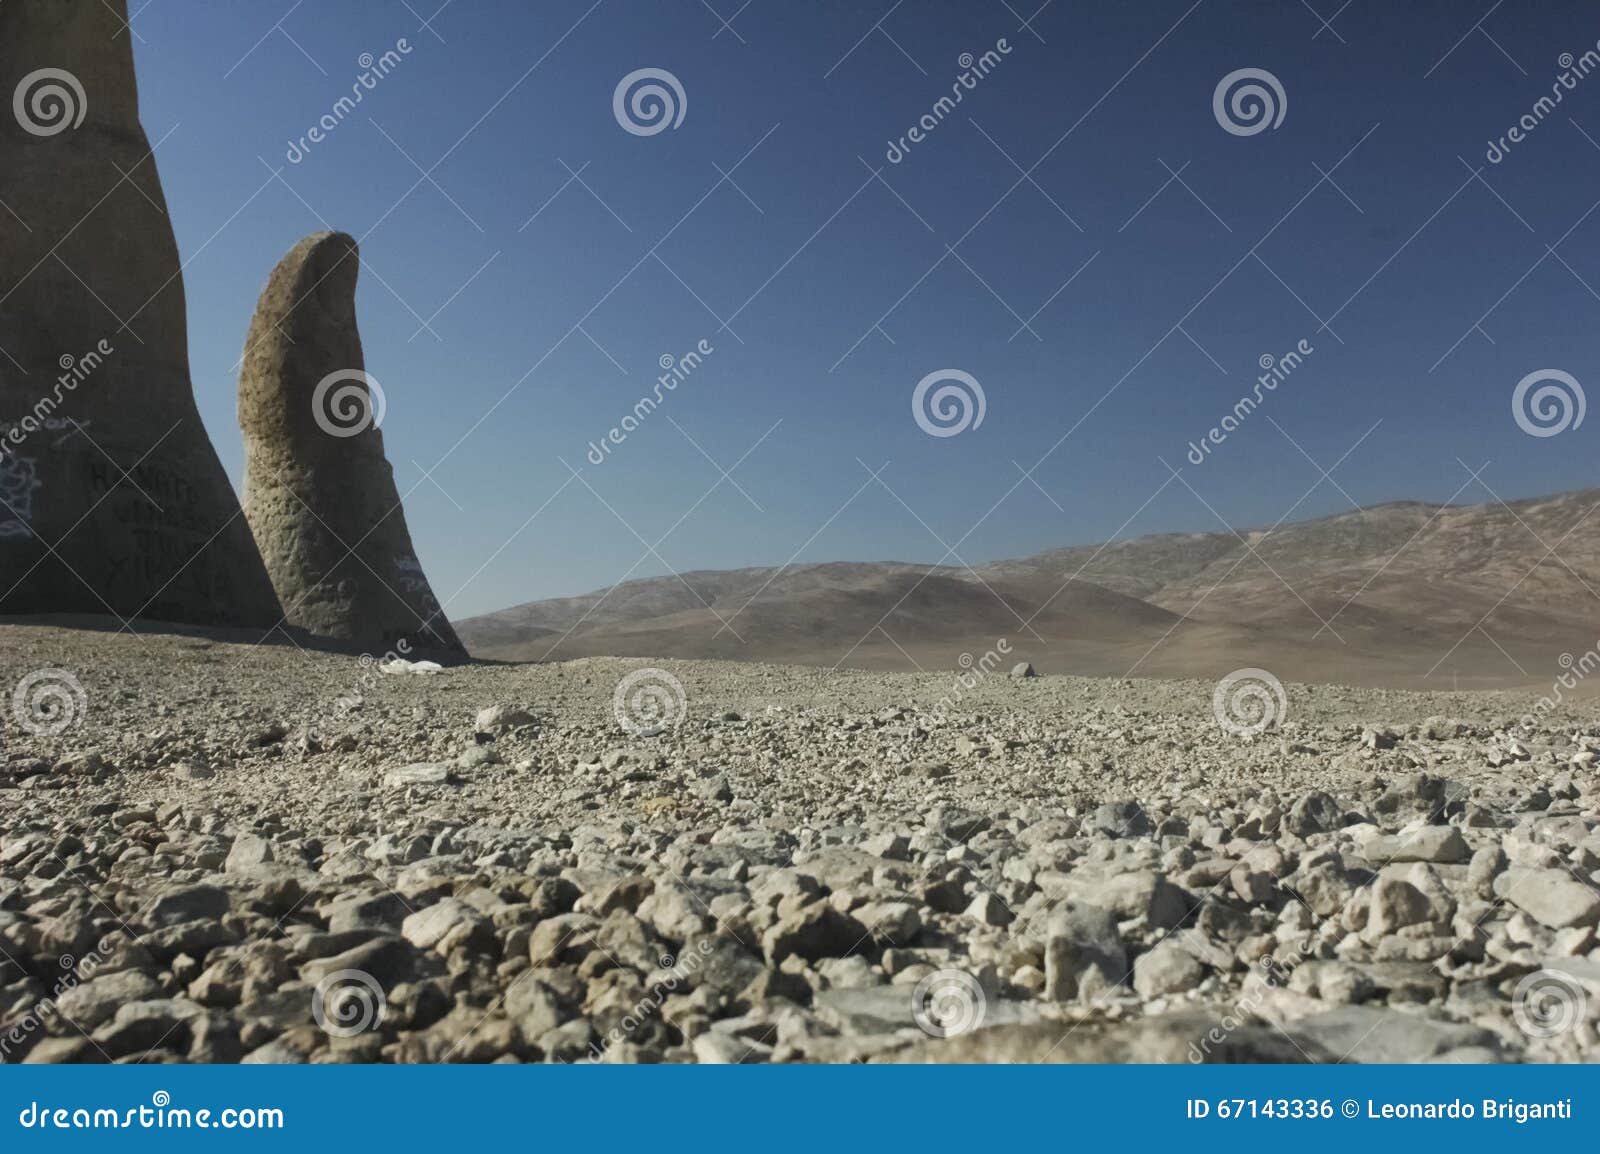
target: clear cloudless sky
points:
(542, 338)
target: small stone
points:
(1083, 953)
(892, 846)
(421, 773)
(94, 1002)
(713, 789)
(1119, 819)
(446, 924)
(479, 757)
(1551, 896)
(1021, 670)
(1166, 969)
(988, 910)
(1408, 896)
(891, 923)
(1316, 812)
(1431, 843)
(146, 1025)
(248, 851)
(381, 913)
(1140, 894)
(1485, 867)
(715, 1048)
(813, 932)
(388, 961)
(186, 904)
(496, 718)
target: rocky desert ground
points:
(215, 851)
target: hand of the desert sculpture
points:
(112, 498)
(319, 493)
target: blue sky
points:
(539, 338)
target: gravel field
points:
(261, 853)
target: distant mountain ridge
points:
(1404, 593)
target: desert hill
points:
(1400, 594)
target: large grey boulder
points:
(319, 493)
(111, 495)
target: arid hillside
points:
(1403, 594)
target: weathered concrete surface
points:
(319, 492)
(94, 370)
